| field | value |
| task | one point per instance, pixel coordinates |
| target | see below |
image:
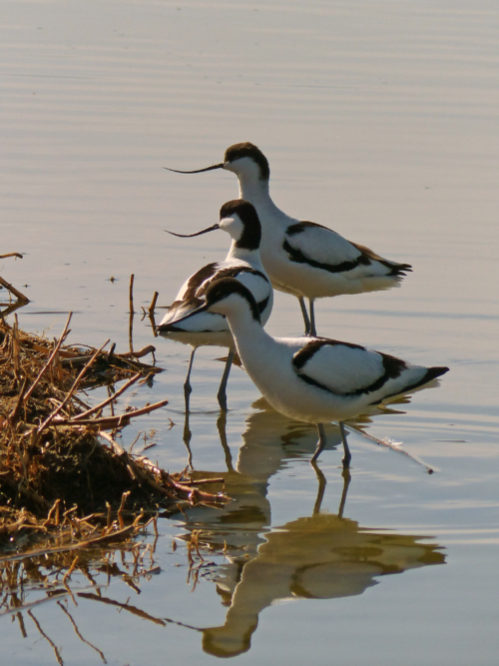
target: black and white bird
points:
(304, 258)
(184, 322)
(312, 379)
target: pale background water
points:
(379, 119)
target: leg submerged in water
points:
(322, 443)
(222, 389)
(187, 382)
(348, 456)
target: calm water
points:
(380, 120)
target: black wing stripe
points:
(305, 353)
(365, 257)
(392, 368)
(298, 257)
(430, 374)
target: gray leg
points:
(222, 389)
(221, 425)
(321, 487)
(321, 442)
(304, 312)
(348, 456)
(187, 438)
(187, 383)
(346, 483)
(312, 330)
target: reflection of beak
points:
(210, 168)
(198, 233)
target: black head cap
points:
(220, 289)
(247, 149)
(252, 232)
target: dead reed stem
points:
(62, 476)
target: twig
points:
(149, 349)
(77, 632)
(47, 638)
(73, 388)
(191, 494)
(124, 498)
(11, 308)
(105, 402)
(22, 627)
(20, 398)
(153, 303)
(54, 509)
(130, 293)
(108, 536)
(136, 470)
(50, 359)
(18, 255)
(200, 482)
(68, 573)
(194, 495)
(150, 312)
(69, 358)
(393, 447)
(20, 297)
(119, 450)
(131, 609)
(132, 312)
(109, 422)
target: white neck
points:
(257, 193)
(253, 188)
(251, 257)
(249, 336)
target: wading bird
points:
(304, 258)
(312, 379)
(184, 322)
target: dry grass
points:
(73, 502)
(63, 475)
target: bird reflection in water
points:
(317, 556)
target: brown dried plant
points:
(62, 472)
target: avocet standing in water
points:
(185, 323)
(312, 379)
(304, 258)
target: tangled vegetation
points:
(63, 474)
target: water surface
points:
(380, 120)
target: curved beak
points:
(209, 168)
(197, 233)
